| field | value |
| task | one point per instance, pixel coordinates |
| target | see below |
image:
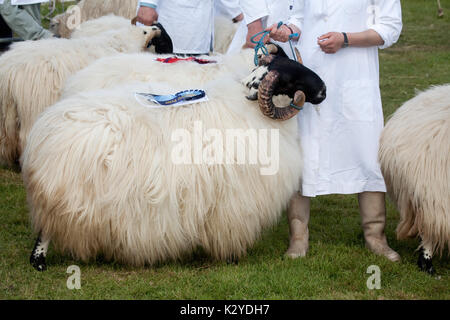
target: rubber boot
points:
(373, 216)
(298, 216)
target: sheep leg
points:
(37, 258)
(425, 262)
(253, 80)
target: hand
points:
(253, 28)
(331, 42)
(279, 34)
(147, 16)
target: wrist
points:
(345, 43)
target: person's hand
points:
(331, 42)
(253, 28)
(279, 34)
(147, 16)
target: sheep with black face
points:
(275, 75)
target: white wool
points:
(32, 75)
(122, 68)
(415, 161)
(224, 31)
(64, 24)
(100, 179)
(97, 26)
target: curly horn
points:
(265, 94)
(134, 20)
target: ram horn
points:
(133, 21)
(265, 95)
(299, 56)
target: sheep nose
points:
(320, 96)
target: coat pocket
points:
(359, 99)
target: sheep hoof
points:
(37, 258)
(38, 262)
(425, 263)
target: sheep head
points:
(158, 37)
(278, 75)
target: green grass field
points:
(335, 267)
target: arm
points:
(332, 42)
(383, 33)
(253, 11)
(147, 12)
(293, 25)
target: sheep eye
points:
(145, 32)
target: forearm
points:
(368, 38)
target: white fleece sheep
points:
(110, 71)
(65, 23)
(101, 179)
(415, 161)
(97, 26)
(32, 75)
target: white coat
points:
(340, 140)
(24, 2)
(190, 24)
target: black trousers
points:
(5, 32)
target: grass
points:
(336, 265)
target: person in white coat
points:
(190, 24)
(277, 10)
(340, 41)
(23, 17)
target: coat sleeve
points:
(254, 9)
(297, 15)
(230, 7)
(149, 3)
(388, 21)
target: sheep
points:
(414, 157)
(97, 26)
(121, 68)
(101, 178)
(32, 75)
(276, 74)
(64, 24)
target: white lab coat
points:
(340, 141)
(277, 10)
(23, 2)
(190, 24)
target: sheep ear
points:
(133, 21)
(299, 56)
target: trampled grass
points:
(336, 265)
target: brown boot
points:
(298, 216)
(373, 216)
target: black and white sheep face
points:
(278, 75)
(293, 77)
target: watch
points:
(345, 44)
